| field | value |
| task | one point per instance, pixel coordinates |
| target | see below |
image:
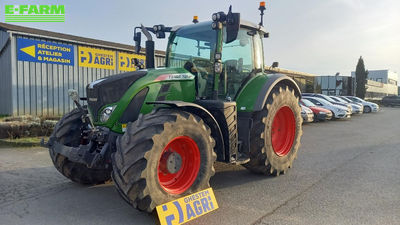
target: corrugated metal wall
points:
(42, 89)
(5, 74)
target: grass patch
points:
(22, 142)
(3, 116)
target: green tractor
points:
(158, 132)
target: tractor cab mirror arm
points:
(158, 30)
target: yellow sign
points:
(96, 58)
(126, 61)
(187, 208)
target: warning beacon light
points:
(195, 19)
(262, 8)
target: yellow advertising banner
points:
(187, 208)
(130, 62)
(96, 58)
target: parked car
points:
(392, 100)
(307, 114)
(320, 114)
(355, 108)
(329, 99)
(338, 111)
(350, 101)
(368, 106)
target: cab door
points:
(240, 59)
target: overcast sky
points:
(315, 36)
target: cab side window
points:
(237, 60)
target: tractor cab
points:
(194, 47)
(222, 54)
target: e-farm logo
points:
(34, 13)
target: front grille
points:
(110, 90)
(94, 102)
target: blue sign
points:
(45, 52)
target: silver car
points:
(368, 106)
(338, 111)
(329, 99)
(355, 108)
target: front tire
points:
(275, 136)
(162, 156)
(367, 109)
(68, 132)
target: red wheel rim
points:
(283, 131)
(182, 149)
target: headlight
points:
(106, 113)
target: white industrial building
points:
(381, 83)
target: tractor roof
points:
(243, 23)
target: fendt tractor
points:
(158, 132)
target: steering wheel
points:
(202, 66)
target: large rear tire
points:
(68, 132)
(275, 136)
(162, 156)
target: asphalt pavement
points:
(347, 172)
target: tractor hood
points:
(109, 90)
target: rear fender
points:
(273, 80)
(253, 98)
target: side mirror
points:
(137, 38)
(232, 26)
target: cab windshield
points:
(195, 42)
